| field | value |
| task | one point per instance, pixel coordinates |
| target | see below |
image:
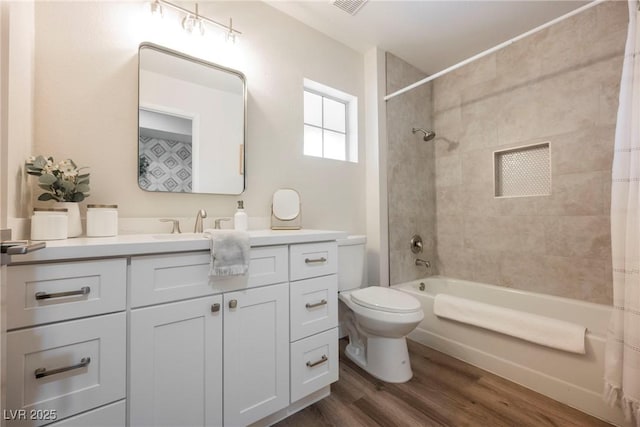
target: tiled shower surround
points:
(559, 86)
(411, 172)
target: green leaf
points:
(77, 197)
(67, 186)
(84, 175)
(82, 188)
(34, 172)
(46, 196)
(45, 187)
(83, 181)
(47, 179)
(40, 162)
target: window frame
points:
(350, 103)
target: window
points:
(330, 123)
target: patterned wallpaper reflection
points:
(168, 165)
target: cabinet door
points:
(256, 353)
(176, 364)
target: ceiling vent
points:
(350, 6)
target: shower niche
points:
(523, 171)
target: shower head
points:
(428, 134)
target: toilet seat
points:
(385, 299)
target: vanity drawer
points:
(93, 350)
(46, 293)
(163, 278)
(313, 306)
(313, 259)
(314, 363)
(113, 415)
(269, 265)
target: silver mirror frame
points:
(149, 45)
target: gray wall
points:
(560, 85)
(410, 172)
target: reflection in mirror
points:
(192, 122)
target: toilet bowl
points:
(377, 319)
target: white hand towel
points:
(229, 252)
(542, 330)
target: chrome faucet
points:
(422, 262)
(198, 228)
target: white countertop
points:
(141, 244)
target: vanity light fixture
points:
(193, 21)
(156, 9)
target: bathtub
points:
(573, 379)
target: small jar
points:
(49, 224)
(102, 220)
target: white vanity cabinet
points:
(134, 332)
(179, 350)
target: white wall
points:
(86, 72)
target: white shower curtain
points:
(622, 358)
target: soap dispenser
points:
(240, 220)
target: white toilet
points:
(377, 318)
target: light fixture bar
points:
(228, 28)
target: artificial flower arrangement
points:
(62, 181)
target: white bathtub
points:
(574, 379)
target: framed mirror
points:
(191, 124)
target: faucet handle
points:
(217, 221)
(176, 225)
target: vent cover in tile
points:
(523, 171)
(350, 6)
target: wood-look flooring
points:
(443, 392)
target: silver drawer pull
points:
(82, 291)
(42, 372)
(315, 260)
(323, 359)
(318, 304)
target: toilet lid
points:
(385, 299)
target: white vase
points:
(73, 217)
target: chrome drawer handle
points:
(323, 359)
(82, 291)
(315, 260)
(318, 304)
(42, 372)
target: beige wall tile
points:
(578, 236)
(575, 194)
(588, 149)
(448, 171)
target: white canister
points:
(49, 224)
(102, 220)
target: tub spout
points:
(422, 262)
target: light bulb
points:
(156, 9)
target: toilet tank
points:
(351, 256)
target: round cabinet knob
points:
(233, 303)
